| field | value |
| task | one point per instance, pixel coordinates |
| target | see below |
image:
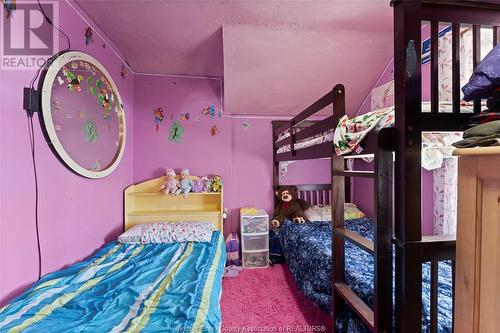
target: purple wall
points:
(76, 215)
(363, 188)
(241, 155)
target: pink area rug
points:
(268, 300)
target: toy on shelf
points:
(171, 184)
(201, 185)
(215, 184)
(185, 184)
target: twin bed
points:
(129, 287)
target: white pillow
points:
(319, 213)
(132, 235)
(176, 232)
(324, 212)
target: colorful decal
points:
(60, 80)
(214, 131)
(88, 36)
(107, 115)
(158, 112)
(176, 132)
(81, 114)
(185, 116)
(245, 125)
(208, 110)
(9, 6)
(123, 72)
(97, 165)
(90, 131)
(56, 105)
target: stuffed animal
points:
(198, 185)
(171, 184)
(289, 206)
(215, 184)
(185, 185)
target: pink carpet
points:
(267, 300)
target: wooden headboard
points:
(315, 194)
(145, 203)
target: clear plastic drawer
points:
(255, 243)
(255, 259)
(254, 224)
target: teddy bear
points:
(171, 184)
(289, 206)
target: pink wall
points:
(242, 156)
(76, 215)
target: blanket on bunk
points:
(127, 288)
(349, 133)
(308, 251)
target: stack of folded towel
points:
(487, 134)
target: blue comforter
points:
(308, 251)
(127, 288)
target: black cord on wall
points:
(31, 133)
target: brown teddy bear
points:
(289, 206)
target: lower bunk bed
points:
(173, 287)
(308, 252)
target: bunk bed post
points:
(383, 230)
(337, 203)
(408, 98)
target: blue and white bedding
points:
(127, 288)
(308, 251)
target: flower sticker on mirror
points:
(90, 130)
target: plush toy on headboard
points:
(289, 206)
(171, 184)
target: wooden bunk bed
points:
(401, 144)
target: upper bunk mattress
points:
(308, 250)
(328, 136)
(127, 288)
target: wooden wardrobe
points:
(477, 285)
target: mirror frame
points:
(48, 76)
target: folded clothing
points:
(486, 77)
(487, 134)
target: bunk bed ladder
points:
(379, 319)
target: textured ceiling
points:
(276, 57)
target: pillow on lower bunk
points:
(176, 232)
(168, 232)
(351, 212)
(324, 212)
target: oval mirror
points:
(82, 114)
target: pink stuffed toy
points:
(171, 184)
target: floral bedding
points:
(308, 251)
